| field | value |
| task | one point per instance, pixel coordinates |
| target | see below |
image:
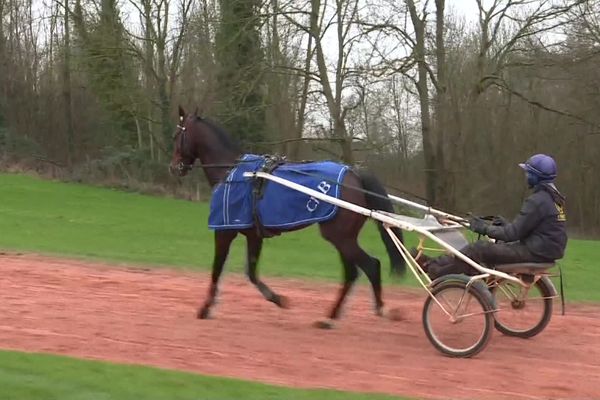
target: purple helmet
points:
(541, 165)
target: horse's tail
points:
(382, 202)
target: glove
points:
(478, 225)
(500, 221)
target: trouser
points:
(482, 252)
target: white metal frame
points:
(390, 222)
(427, 210)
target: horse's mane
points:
(224, 137)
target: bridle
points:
(181, 166)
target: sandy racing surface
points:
(99, 311)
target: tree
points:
(67, 86)
(108, 64)
(3, 63)
(241, 66)
(419, 22)
(286, 86)
(159, 50)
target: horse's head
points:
(198, 138)
(185, 149)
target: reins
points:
(317, 176)
(182, 131)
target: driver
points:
(538, 234)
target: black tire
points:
(540, 317)
(484, 312)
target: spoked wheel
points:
(468, 328)
(523, 312)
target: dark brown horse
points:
(198, 138)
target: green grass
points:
(85, 221)
(44, 377)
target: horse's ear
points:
(181, 113)
(198, 113)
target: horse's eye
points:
(176, 134)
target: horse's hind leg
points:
(372, 269)
(370, 266)
(223, 241)
(344, 238)
(352, 255)
(254, 247)
(350, 276)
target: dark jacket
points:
(540, 225)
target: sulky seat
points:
(524, 268)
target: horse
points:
(197, 138)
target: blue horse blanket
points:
(232, 201)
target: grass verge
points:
(84, 221)
(26, 376)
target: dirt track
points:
(147, 317)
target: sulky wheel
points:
(523, 312)
(469, 327)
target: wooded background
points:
(437, 105)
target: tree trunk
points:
(443, 127)
(138, 131)
(163, 97)
(424, 103)
(399, 124)
(149, 73)
(3, 65)
(67, 88)
(345, 141)
(294, 147)
(334, 101)
(277, 99)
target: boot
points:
(423, 260)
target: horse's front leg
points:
(223, 241)
(254, 247)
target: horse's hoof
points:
(203, 313)
(283, 302)
(324, 324)
(393, 314)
